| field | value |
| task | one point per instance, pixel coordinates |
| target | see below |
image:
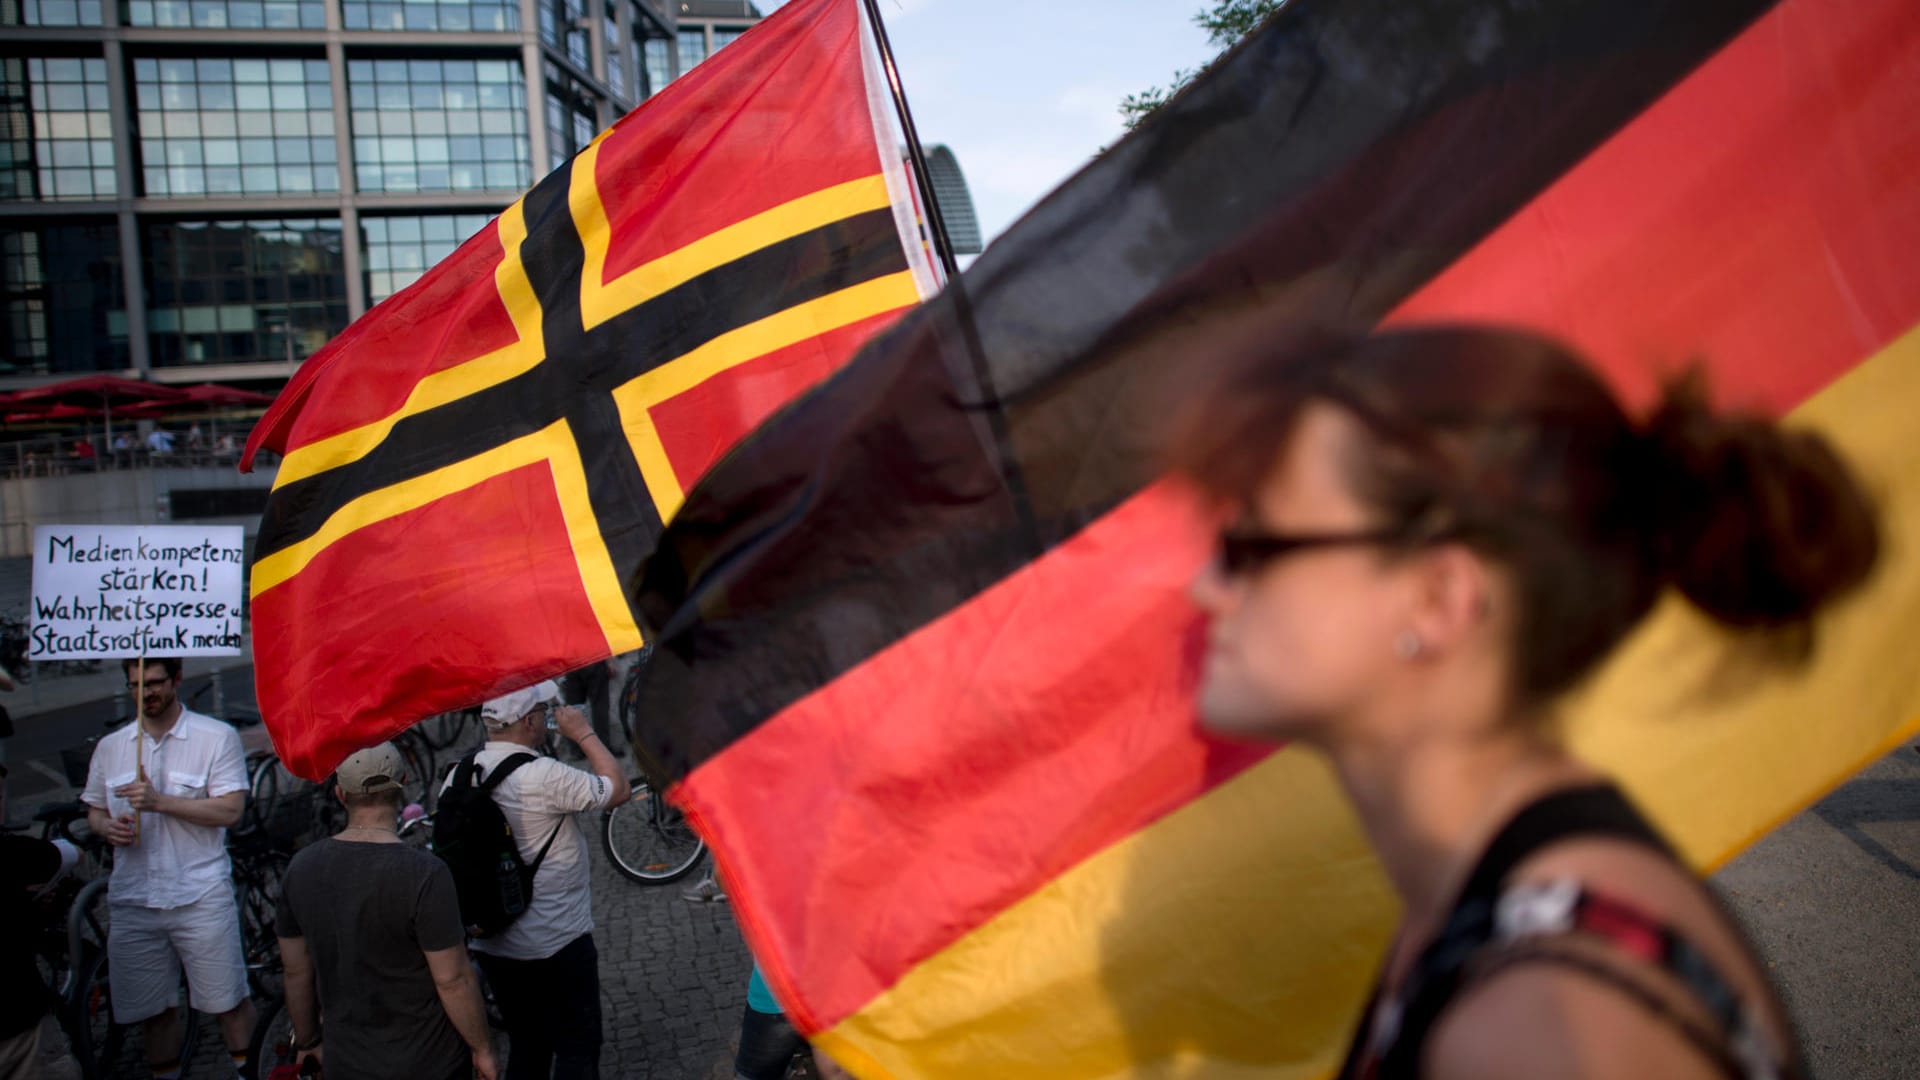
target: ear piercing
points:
(1409, 645)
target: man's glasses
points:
(150, 684)
(1241, 553)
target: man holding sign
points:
(163, 790)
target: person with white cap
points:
(374, 949)
(543, 968)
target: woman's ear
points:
(1453, 599)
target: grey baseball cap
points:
(371, 771)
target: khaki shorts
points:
(147, 948)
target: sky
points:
(1025, 91)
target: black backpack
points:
(472, 837)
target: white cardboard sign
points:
(111, 591)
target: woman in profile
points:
(1439, 532)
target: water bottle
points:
(513, 889)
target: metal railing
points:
(69, 455)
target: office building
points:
(208, 190)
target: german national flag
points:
(927, 659)
(474, 471)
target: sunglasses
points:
(1241, 553)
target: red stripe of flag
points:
(1040, 737)
(1039, 749)
(503, 526)
(1756, 219)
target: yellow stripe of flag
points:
(1237, 936)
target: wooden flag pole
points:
(139, 731)
(942, 245)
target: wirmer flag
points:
(474, 471)
(926, 662)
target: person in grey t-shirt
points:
(377, 926)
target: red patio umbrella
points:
(27, 414)
(98, 393)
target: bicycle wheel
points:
(106, 1049)
(259, 901)
(648, 839)
(444, 731)
(102, 1046)
(272, 1044)
(419, 787)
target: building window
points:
(400, 249)
(727, 35)
(563, 25)
(50, 13)
(235, 126)
(57, 139)
(570, 121)
(62, 303)
(430, 15)
(439, 125)
(228, 14)
(222, 292)
(616, 54)
(693, 48)
(657, 64)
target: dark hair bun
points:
(1757, 525)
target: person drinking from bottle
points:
(543, 967)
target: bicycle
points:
(258, 869)
(101, 1044)
(647, 839)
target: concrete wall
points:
(123, 497)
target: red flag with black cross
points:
(473, 472)
(926, 663)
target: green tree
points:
(1226, 22)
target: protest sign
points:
(105, 591)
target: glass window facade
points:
(570, 123)
(62, 302)
(228, 14)
(431, 15)
(657, 64)
(400, 249)
(439, 125)
(563, 24)
(239, 291)
(693, 48)
(233, 126)
(51, 13)
(616, 54)
(726, 35)
(56, 133)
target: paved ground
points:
(1832, 900)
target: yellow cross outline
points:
(600, 301)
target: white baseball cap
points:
(508, 709)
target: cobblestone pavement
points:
(673, 981)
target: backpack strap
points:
(463, 771)
(501, 772)
(534, 867)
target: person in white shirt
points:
(543, 968)
(163, 790)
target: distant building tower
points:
(956, 202)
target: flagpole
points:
(941, 243)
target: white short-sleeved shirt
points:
(535, 798)
(175, 862)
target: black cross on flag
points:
(474, 472)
